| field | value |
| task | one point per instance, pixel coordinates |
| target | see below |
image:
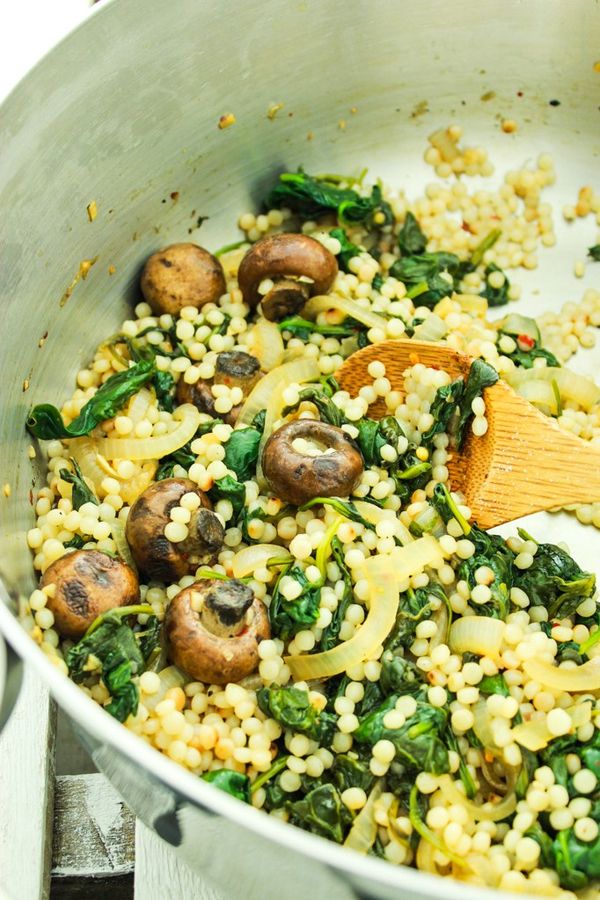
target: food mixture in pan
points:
(284, 594)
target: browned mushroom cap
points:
(87, 583)
(155, 554)
(296, 477)
(278, 257)
(181, 275)
(233, 368)
(214, 629)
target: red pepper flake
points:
(525, 342)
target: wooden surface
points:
(56, 832)
(524, 463)
(160, 874)
(26, 794)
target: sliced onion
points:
(330, 301)
(573, 387)
(123, 549)
(170, 677)
(477, 634)
(535, 734)
(246, 561)
(442, 620)
(540, 394)
(430, 521)
(266, 344)
(153, 447)
(582, 678)
(375, 514)
(433, 328)
(482, 725)
(473, 304)
(267, 393)
(133, 487)
(231, 259)
(363, 833)
(138, 405)
(383, 574)
(481, 812)
(425, 551)
(83, 450)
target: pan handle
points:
(11, 676)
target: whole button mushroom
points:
(181, 275)
(283, 258)
(235, 368)
(154, 553)
(87, 583)
(296, 477)
(214, 628)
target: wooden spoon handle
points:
(525, 463)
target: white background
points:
(28, 29)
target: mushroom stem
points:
(286, 298)
(225, 606)
(206, 528)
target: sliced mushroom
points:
(87, 583)
(214, 628)
(285, 258)
(154, 553)
(181, 275)
(296, 477)
(233, 368)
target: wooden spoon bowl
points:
(524, 463)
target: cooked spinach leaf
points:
(554, 580)
(419, 743)
(81, 493)
(233, 783)
(121, 653)
(311, 196)
(377, 282)
(292, 708)
(594, 252)
(411, 239)
(348, 249)
(288, 617)
(444, 404)
(330, 635)
(399, 675)
(495, 296)
(322, 812)
(164, 388)
(431, 274)
(576, 862)
(227, 488)
(351, 770)
(492, 551)
(415, 606)
(526, 358)
(481, 375)
(303, 328)
(241, 452)
(46, 422)
(493, 684)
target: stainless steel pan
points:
(125, 112)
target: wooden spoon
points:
(524, 462)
